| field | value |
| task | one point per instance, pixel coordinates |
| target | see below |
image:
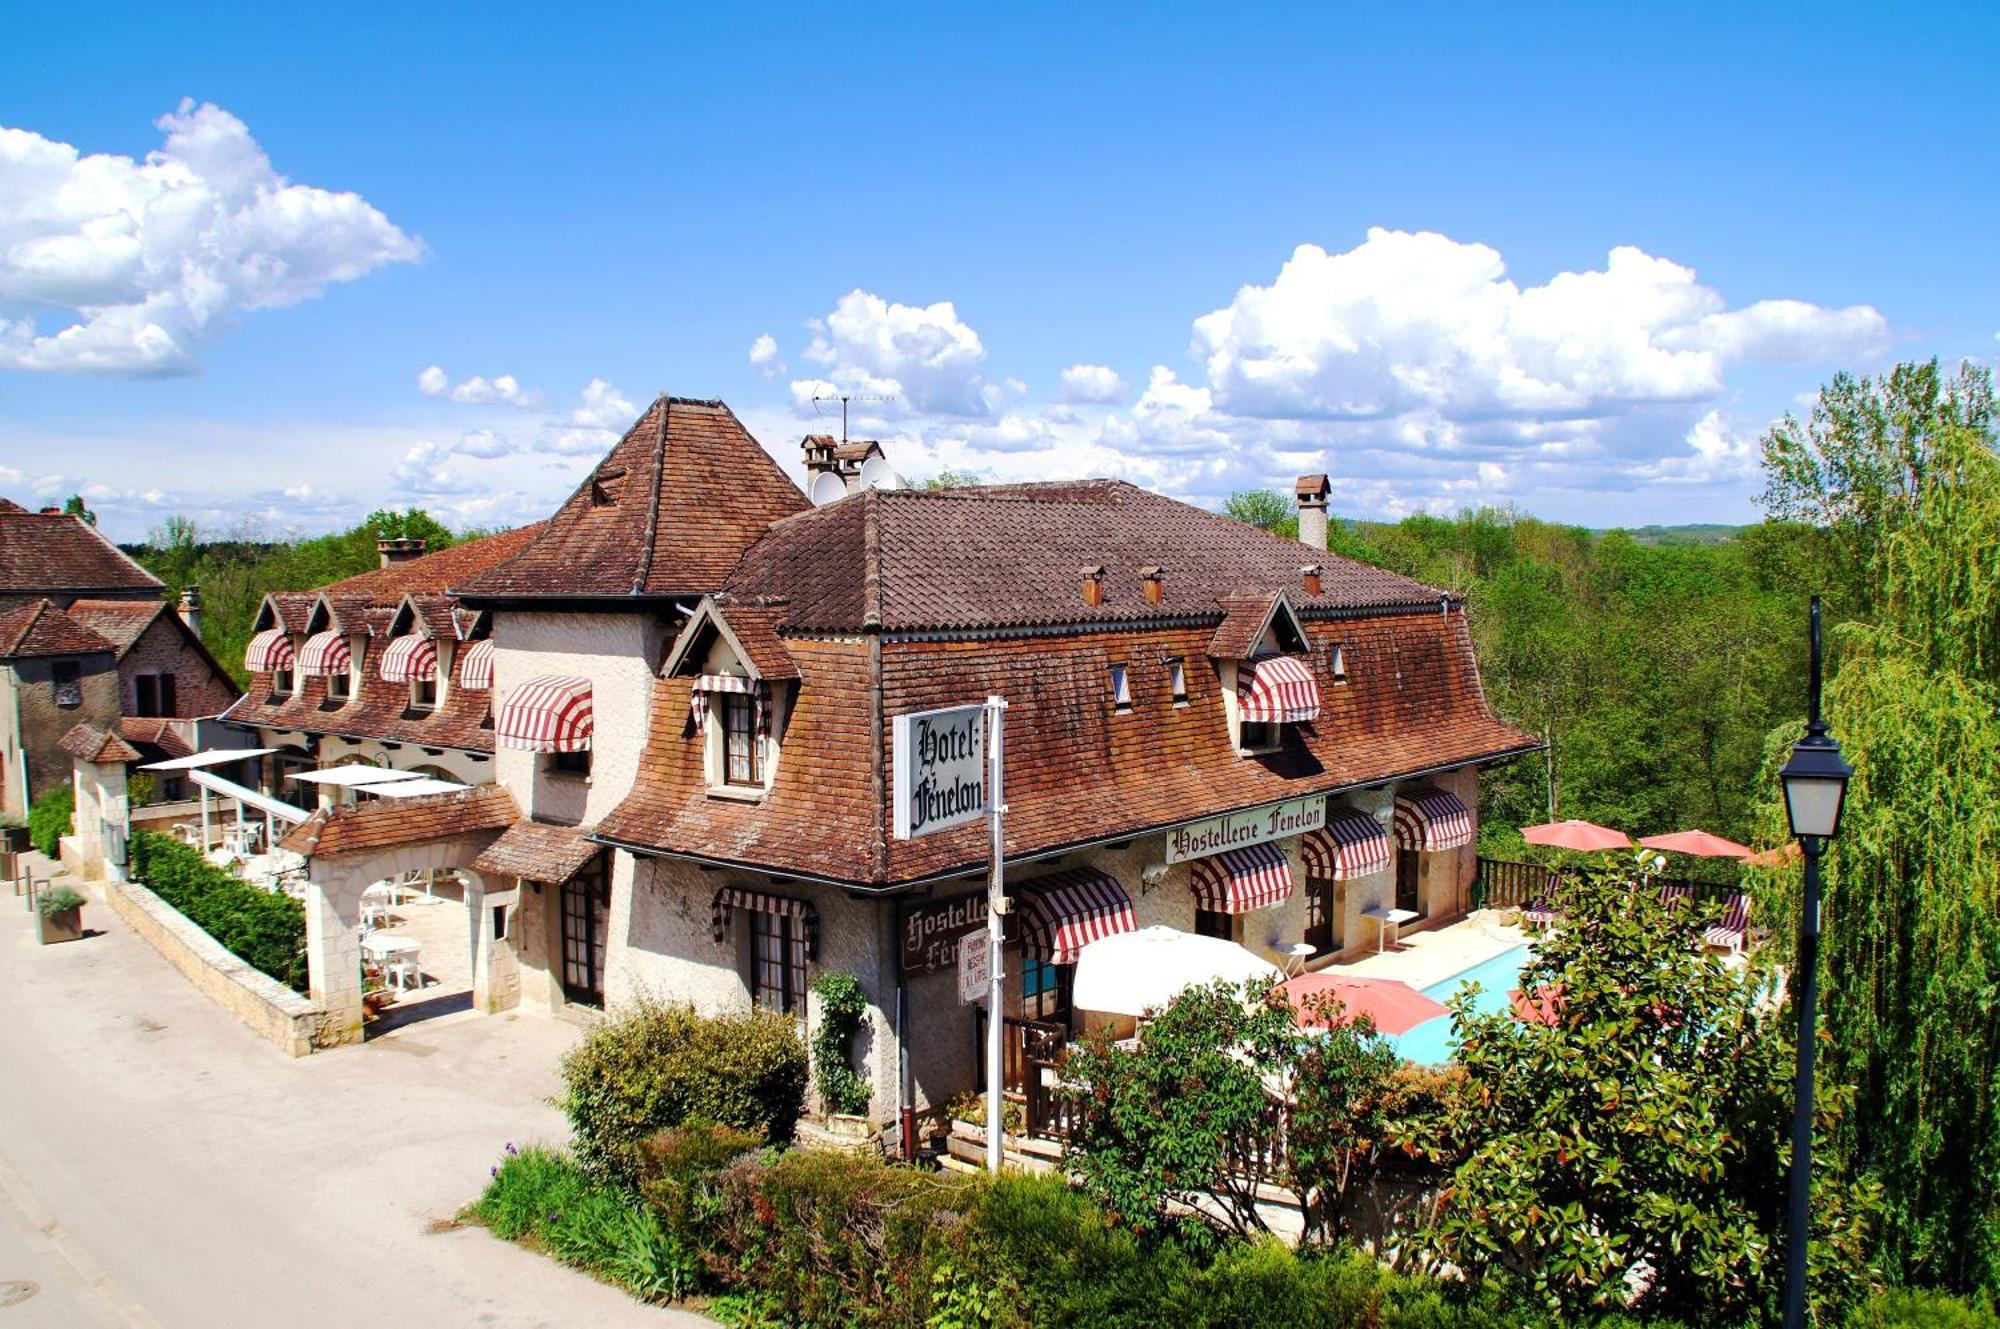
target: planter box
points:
(14, 839)
(63, 925)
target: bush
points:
(655, 1066)
(1911, 1309)
(540, 1195)
(841, 1005)
(266, 929)
(50, 818)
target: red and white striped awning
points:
(412, 658)
(325, 654)
(1429, 820)
(731, 898)
(269, 650)
(1277, 689)
(1063, 913)
(546, 714)
(476, 674)
(1252, 877)
(750, 687)
(1351, 844)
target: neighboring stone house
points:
(694, 681)
(169, 683)
(49, 555)
(55, 673)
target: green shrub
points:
(1907, 1308)
(59, 900)
(50, 818)
(266, 929)
(588, 1222)
(841, 1006)
(141, 789)
(655, 1066)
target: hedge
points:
(50, 818)
(267, 929)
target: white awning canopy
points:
(351, 777)
(1137, 972)
(416, 788)
(212, 757)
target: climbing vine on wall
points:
(842, 1003)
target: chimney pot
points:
(1309, 574)
(1153, 578)
(1093, 585)
(1312, 492)
(402, 550)
(190, 608)
(52, 512)
(819, 455)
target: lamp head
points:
(1815, 782)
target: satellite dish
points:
(875, 474)
(826, 488)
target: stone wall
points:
(43, 722)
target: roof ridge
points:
(871, 561)
(645, 569)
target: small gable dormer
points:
(1264, 658)
(740, 694)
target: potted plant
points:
(62, 915)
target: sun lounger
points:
(1735, 924)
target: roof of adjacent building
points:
(428, 574)
(87, 742)
(538, 852)
(62, 555)
(380, 822)
(1007, 556)
(41, 629)
(124, 622)
(154, 732)
(668, 512)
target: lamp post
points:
(1815, 783)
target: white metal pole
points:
(204, 819)
(996, 908)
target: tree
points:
(1264, 508)
(951, 479)
(1632, 1150)
(74, 506)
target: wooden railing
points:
(1503, 884)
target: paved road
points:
(162, 1166)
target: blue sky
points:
(1572, 262)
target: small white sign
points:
(975, 971)
(940, 770)
(1236, 830)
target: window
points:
(1177, 680)
(1336, 662)
(339, 687)
(1121, 692)
(1045, 991)
(778, 962)
(1215, 923)
(423, 694)
(740, 765)
(1260, 736)
(153, 695)
(281, 682)
(67, 675)
(570, 763)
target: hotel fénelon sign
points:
(940, 770)
(1237, 830)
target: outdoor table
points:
(385, 948)
(1385, 919)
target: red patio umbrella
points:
(1586, 836)
(1542, 1006)
(1395, 1007)
(1698, 843)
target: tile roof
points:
(62, 555)
(87, 742)
(1077, 770)
(753, 628)
(41, 629)
(1000, 556)
(120, 622)
(537, 852)
(428, 574)
(379, 822)
(156, 733)
(669, 511)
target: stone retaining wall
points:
(292, 1022)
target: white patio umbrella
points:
(1134, 972)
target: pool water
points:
(1430, 1042)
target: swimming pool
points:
(1430, 1042)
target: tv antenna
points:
(845, 397)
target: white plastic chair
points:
(406, 970)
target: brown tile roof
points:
(41, 629)
(431, 574)
(1243, 621)
(753, 627)
(1001, 556)
(87, 742)
(286, 609)
(154, 733)
(668, 512)
(120, 622)
(63, 556)
(537, 852)
(377, 710)
(1077, 771)
(379, 822)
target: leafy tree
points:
(1633, 1153)
(951, 479)
(75, 507)
(1264, 508)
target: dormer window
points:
(732, 719)
(424, 693)
(282, 683)
(741, 764)
(1121, 691)
(1271, 691)
(339, 687)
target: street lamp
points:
(1815, 782)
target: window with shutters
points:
(67, 675)
(740, 765)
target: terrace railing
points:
(1504, 884)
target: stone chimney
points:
(819, 457)
(190, 608)
(392, 552)
(1154, 580)
(1309, 577)
(1093, 585)
(1312, 491)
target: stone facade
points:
(164, 648)
(33, 721)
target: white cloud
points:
(925, 356)
(764, 355)
(1096, 384)
(147, 260)
(477, 390)
(594, 426)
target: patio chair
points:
(1735, 925)
(1675, 893)
(405, 970)
(1543, 910)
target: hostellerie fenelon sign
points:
(940, 770)
(1238, 830)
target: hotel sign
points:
(1237, 830)
(931, 932)
(940, 770)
